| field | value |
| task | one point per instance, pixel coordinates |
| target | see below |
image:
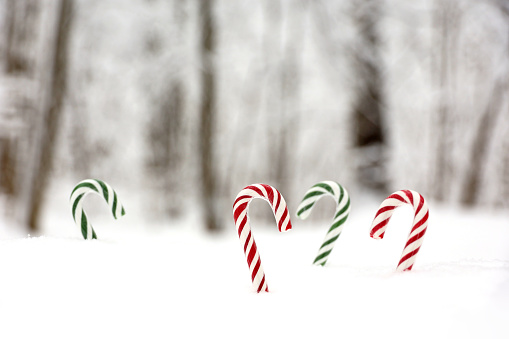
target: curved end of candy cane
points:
(304, 209)
(121, 214)
(378, 229)
(303, 214)
(375, 236)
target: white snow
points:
(146, 281)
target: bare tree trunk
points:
(165, 136)
(21, 19)
(209, 191)
(7, 167)
(174, 107)
(52, 114)
(478, 156)
(367, 110)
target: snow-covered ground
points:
(143, 280)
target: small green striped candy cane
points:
(84, 188)
(342, 199)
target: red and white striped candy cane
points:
(240, 209)
(415, 238)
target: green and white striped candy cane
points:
(78, 194)
(342, 199)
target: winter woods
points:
(193, 100)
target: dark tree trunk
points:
(7, 167)
(165, 145)
(368, 105)
(52, 113)
(209, 191)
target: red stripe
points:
(289, 226)
(421, 222)
(252, 253)
(408, 256)
(261, 285)
(278, 202)
(270, 193)
(377, 227)
(240, 198)
(409, 195)
(415, 238)
(242, 224)
(282, 219)
(254, 188)
(384, 209)
(421, 203)
(255, 270)
(239, 210)
(247, 241)
(396, 196)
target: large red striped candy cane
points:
(240, 210)
(415, 238)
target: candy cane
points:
(420, 223)
(93, 186)
(342, 199)
(240, 209)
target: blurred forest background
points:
(188, 101)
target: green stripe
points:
(339, 222)
(84, 223)
(330, 241)
(84, 184)
(325, 186)
(321, 256)
(105, 189)
(336, 225)
(344, 209)
(114, 207)
(312, 194)
(75, 204)
(305, 208)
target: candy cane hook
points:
(84, 188)
(340, 195)
(419, 226)
(240, 210)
